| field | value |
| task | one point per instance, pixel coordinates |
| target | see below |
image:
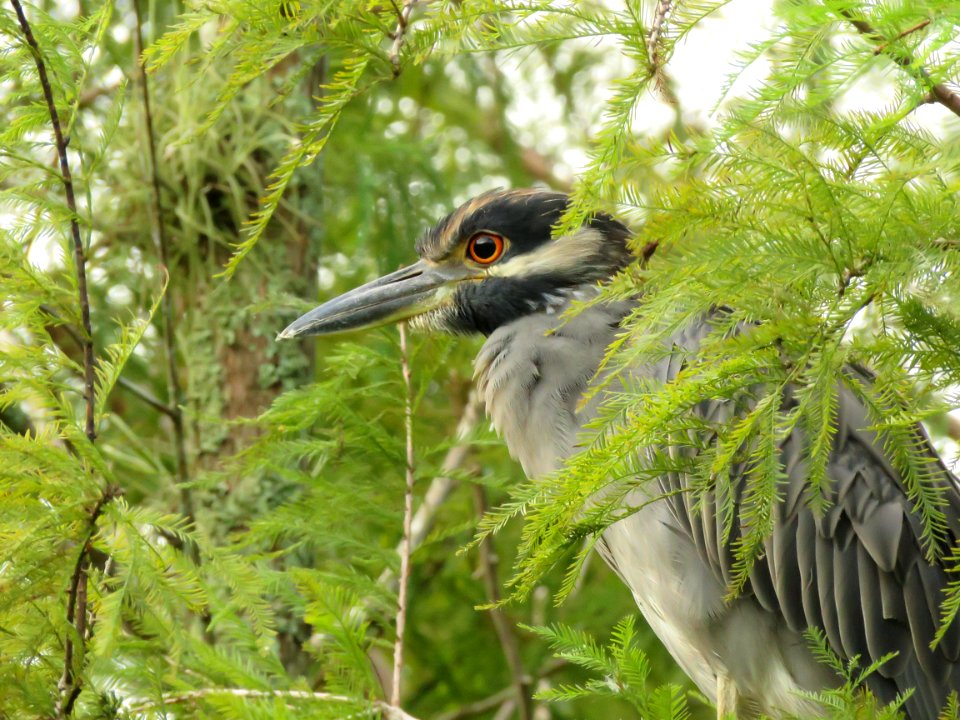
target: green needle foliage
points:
(225, 546)
(624, 671)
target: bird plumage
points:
(857, 570)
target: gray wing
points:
(857, 571)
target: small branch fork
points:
(78, 253)
(939, 92)
(405, 545)
(436, 495)
(403, 21)
(134, 389)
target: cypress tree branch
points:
(880, 49)
(653, 50)
(70, 686)
(440, 487)
(436, 495)
(405, 545)
(174, 393)
(389, 712)
(940, 92)
(78, 253)
(403, 20)
(140, 392)
(502, 625)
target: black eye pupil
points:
(484, 247)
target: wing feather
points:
(856, 570)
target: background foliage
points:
(225, 546)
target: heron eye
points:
(485, 248)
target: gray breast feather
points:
(531, 374)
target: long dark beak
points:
(402, 294)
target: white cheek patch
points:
(563, 254)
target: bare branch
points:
(403, 21)
(498, 136)
(940, 92)
(540, 167)
(405, 545)
(953, 428)
(440, 487)
(145, 395)
(390, 713)
(480, 706)
(502, 625)
(174, 394)
(78, 253)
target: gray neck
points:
(531, 374)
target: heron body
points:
(856, 571)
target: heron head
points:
(492, 260)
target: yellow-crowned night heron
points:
(856, 571)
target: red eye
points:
(485, 248)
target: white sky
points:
(700, 67)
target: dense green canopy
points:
(199, 521)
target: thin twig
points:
(134, 389)
(174, 394)
(653, 45)
(145, 395)
(436, 495)
(479, 707)
(441, 486)
(69, 686)
(407, 521)
(390, 713)
(403, 21)
(78, 253)
(909, 31)
(539, 601)
(941, 93)
(502, 626)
